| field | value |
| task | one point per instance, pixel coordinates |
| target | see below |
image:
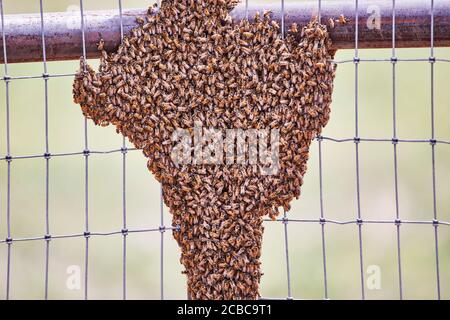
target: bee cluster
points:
(188, 63)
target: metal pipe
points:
(64, 42)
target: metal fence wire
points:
(358, 221)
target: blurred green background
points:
(143, 206)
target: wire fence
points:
(359, 220)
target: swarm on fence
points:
(189, 65)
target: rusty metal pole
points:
(63, 35)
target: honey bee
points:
(101, 45)
(294, 28)
(331, 23)
(342, 19)
(267, 14)
(248, 35)
(140, 20)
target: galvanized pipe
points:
(64, 42)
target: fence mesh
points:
(357, 140)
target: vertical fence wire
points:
(162, 229)
(285, 220)
(124, 194)
(395, 145)
(322, 217)
(47, 152)
(286, 248)
(357, 141)
(124, 226)
(86, 154)
(8, 159)
(433, 153)
(319, 11)
(322, 222)
(246, 10)
(282, 20)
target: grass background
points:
(305, 246)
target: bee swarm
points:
(189, 63)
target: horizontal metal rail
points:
(63, 37)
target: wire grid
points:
(322, 220)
